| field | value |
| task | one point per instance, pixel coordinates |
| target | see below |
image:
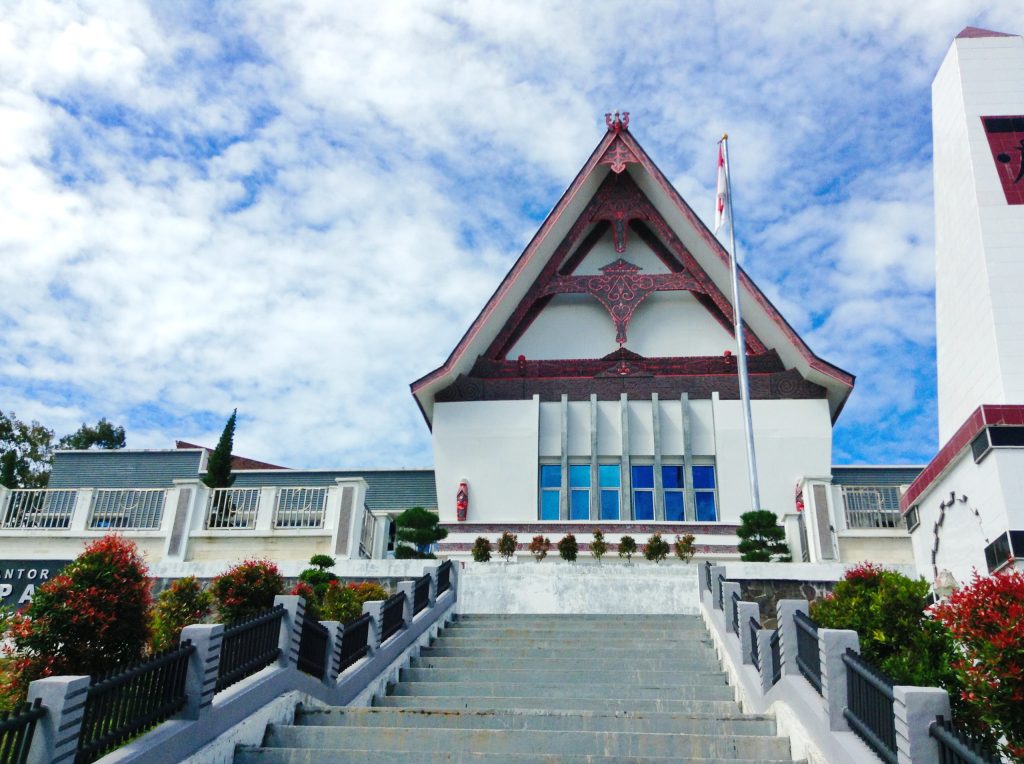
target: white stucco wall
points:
(493, 445)
(978, 246)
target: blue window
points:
(643, 491)
(673, 483)
(610, 481)
(704, 492)
(579, 491)
(550, 491)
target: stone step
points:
(574, 617)
(418, 739)
(255, 755)
(555, 642)
(537, 703)
(586, 627)
(605, 690)
(590, 721)
(624, 675)
(565, 652)
(704, 662)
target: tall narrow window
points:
(610, 480)
(704, 492)
(550, 491)
(643, 491)
(673, 484)
(579, 491)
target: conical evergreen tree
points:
(218, 469)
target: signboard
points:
(19, 579)
(1006, 142)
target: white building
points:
(598, 386)
(964, 511)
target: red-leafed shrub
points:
(986, 618)
(92, 617)
(245, 590)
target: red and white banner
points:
(721, 200)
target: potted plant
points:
(539, 547)
(627, 548)
(507, 545)
(598, 546)
(568, 548)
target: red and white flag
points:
(721, 200)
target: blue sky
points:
(297, 208)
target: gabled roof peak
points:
(973, 32)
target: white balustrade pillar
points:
(787, 633)
(265, 509)
(83, 508)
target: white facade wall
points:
(497, 447)
(978, 247)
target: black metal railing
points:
(354, 642)
(869, 706)
(707, 575)
(248, 646)
(955, 748)
(755, 651)
(774, 646)
(124, 702)
(313, 648)
(16, 730)
(444, 577)
(420, 593)
(736, 614)
(808, 659)
(392, 616)
(721, 592)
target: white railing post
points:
(915, 708)
(203, 665)
(183, 515)
(432, 589)
(266, 508)
(747, 610)
(83, 508)
(334, 632)
(729, 588)
(787, 633)
(832, 645)
(56, 735)
(291, 628)
(409, 588)
(764, 652)
(5, 495)
(374, 609)
(349, 526)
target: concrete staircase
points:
(540, 688)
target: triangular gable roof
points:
(617, 152)
(973, 32)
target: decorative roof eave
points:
(838, 382)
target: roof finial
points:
(617, 124)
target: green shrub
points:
(419, 528)
(482, 549)
(345, 603)
(684, 547)
(568, 549)
(627, 547)
(507, 545)
(314, 581)
(656, 549)
(182, 604)
(91, 618)
(762, 538)
(539, 547)
(246, 589)
(598, 547)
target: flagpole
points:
(741, 341)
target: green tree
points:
(568, 548)
(598, 546)
(419, 527)
(482, 549)
(32, 448)
(761, 537)
(218, 469)
(507, 545)
(246, 590)
(104, 435)
(627, 547)
(183, 603)
(315, 581)
(656, 549)
(8, 465)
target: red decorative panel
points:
(1006, 141)
(618, 156)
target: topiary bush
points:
(91, 618)
(627, 548)
(986, 618)
(345, 603)
(417, 530)
(656, 549)
(507, 545)
(568, 549)
(598, 547)
(182, 604)
(482, 549)
(539, 547)
(762, 539)
(245, 590)
(314, 582)
(685, 547)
